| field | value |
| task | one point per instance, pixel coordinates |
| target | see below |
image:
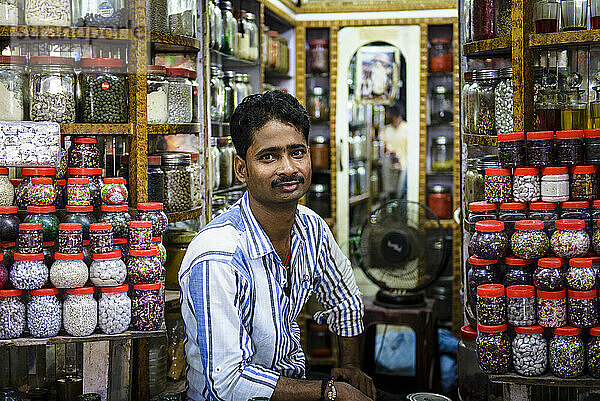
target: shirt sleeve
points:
(337, 290)
(224, 347)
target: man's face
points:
(277, 168)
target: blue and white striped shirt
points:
(241, 330)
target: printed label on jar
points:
(105, 85)
(106, 10)
(558, 189)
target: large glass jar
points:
(178, 181)
(485, 116)
(28, 271)
(318, 56)
(593, 353)
(440, 54)
(108, 269)
(479, 211)
(215, 154)
(230, 29)
(491, 304)
(217, 95)
(466, 102)
(489, 240)
(143, 266)
(503, 94)
(520, 305)
(441, 105)
(545, 211)
(318, 198)
(545, 16)
(581, 276)
(498, 185)
(180, 96)
(567, 352)
(215, 23)
(319, 152)
(529, 240)
(318, 104)
(530, 351)
(157, 97)
(100, 13)
(226, 154)
(44, 313)
(147, 307)
(80, 311)
(102, 92)
(46, 216)
(42, 12)
(12, 316)
(573, 114)
(239, 89)
(473, 384)
(52, 89)
(511, 212)
(547, 110)
(540, 148)
(30, 238)
(182, 17)
(573, 15)
(68, 270)
(157, 16)
(114, 309)
(484, 19)
(84, 153)
(439, 200)
(583, 308)
(13, 80)
(511, 149)
(274, 50)
(70, 238)
(228, 94)
(153, 211)
(493, 349)
(554, 185)
(482, 271)
(156, 180)
(548, 276)
(526, 184)
(577, 210)
(9, 224)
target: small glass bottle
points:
(230, 29)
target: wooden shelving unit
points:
(482, 140)
(175, 129)
(561, 39)
(27, 32)
(96, 129)
(175, 43)
(186, 215)
(31, 341)
(488, 48)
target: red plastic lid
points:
(540, 135)
(80, 291)
(490, 290)
(596, 203)
(192, 74)
(153, 68)
(100, 226)
(51, 60)
(7, 244)
(580, 262)
(574, 204)
(29, 256)
(140, 224)
(591, 294)
(489, 226)
(178, 72)
(481, 206)
(79, 209)
(62, 183)
(115, 180)
(48, 244)
(491, 329)
(583, 169)
(526, 171)
(569, 224)
(551, 263)
(529, 225)
(3, 171)
(84, 139)
(318, 42)
(592, 133)
(8, 209)
(595, 331)
(511, 136)
(119, 241)
(11, 293)
(555, 170)
(30, 226)
(41, 209)
(112, 290)
(150, 206)
(101, 62)
(497, 171)
(68, 256)
(41, 181)
(474, 260)
(520, 291)
(13, 59)
(143, 252)
(107, 255)
(516, 261)
(86, 242)
(566, 331)
(542, 205)
(85, 171)
(1, 257)
(551, 294)
(530, 330)
(147, 287)
(468, 333)
(114, 208)
(156, 239)
(78, 181)
(44, 291)
(70, 227)
(513, 206)
(595, 259)
(569, 134)
(29, 171)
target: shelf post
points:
(522, 65)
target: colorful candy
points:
(529, 240)
(491, 304)
(140, 235)
(143, 266)
(147, 307)
(570, 240)
(41, 192)
(497, 185)
(583, 308)
(593, 353)
(493, 349)
(551, 308)
(78, 192)
(489, 241)
(567, 353)
(114, 191)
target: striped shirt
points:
(241, 330)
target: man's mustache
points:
(287, 178)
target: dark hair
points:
(257, 110)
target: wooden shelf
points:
(128, 335)
(358, 199)
(546, 380)
(272, 74)
(186, 215)
(482, 140)
(487, 48)
(29, 32)
(239, 187)
(445, 223)
(95, 129)
(591, 36)
(229, 60)
(440, 173)
(174, 129)
(174, 43)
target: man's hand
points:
(345, 392)
(357, 378)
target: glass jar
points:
(215, 21)
(102, 92)
(473, 183)
(118, 217)
(45, 215)
(143, 266)
(517, 272)
(13, 74)
(177, 243)
(178, 181)
(157, 16)
(52, 86)
(540, 148)
(319, 152)
(318, 198)
(197, 179)
(82, 215)
(30, 238)
(120, 244)
(140, 235)
(215, 155)
(182, 18)
(239, 90)
(274, 50)
(592, 145)
(548, 110)
(41, 191)
(567, 352)
(582, 308)
(551, 308)
(228, 94)
(467, 102)
(503, 94)
(473, 384)
(180, 96)
(153, 211)
(147, 307)
(593, 353)
(594, 15)
(156, 180)
(529, 240)
(577, 210)
(114, 191)
(318, 56)
(482, 271)
(545, 16)
(581, 276)
(11, 13)
(3, 272)
(70, 238)
(573, 15)
(520, 305)
(40, 13)
(526, 184)
(9, 224)
(251, 29)
(7, 190)
(226, 155)
(493, 349)
(511, 149)
(441, 105)
(7, 249)
(548, 276)
(489, 240)
(28, 271)
(442, 154)
(68, 270)
(573, 114)
(96, 183)
(114, 309)
(80, 312)
(49, 249)
(101, 237)
(440, 55)
(569, 147)
(108, 269)
(44, 313)
(485, 114)
(498, 185)
(12, 314)
(503, 18)
(83, 153)
(78, 192)
(530, 351)
(217, 95)
(509, 214)
(100, 13)
(230, 29)
(491, 304)
(318, 104)
(157, 95)
(554, 185)
(584, 183)
(439, 200)
(161, 251)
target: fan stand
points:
(397, 300)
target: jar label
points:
(195, 92)
(106, 10)
(105, 85)
(555, 189)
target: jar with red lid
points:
(570, 239)
(119, 217)
(548, 275)
(510, 213)
(319, 152)
(569, 147)
(526, 184)
(439, 200)
(511, 149)
(70, 238)
(581, 276)
(520, 305)
(161, 251)
(153, 211)
(108, 269)
(143, 266)
(46, 216)
(577, 210)
(28, 271)
(584, 183)
(567, 352)
(147, 307)
(179, 96)
(30, 238)
(78, 192)
(115, 191)
(440, 55)
(80, 312)
(583, 308)
(473, 384)
(83, 154)
(551, 308)
(554, 185)
(13, 77)
(546, 212)
(593, 353)
(498, 185)
(540, 148)
(102, 92)
(529, 241)
(114, 309)
(9, 223)
(481, 271)
(493, 349)
(318, 56)
(41, 192)
(52, 87)
(83, 215)
(491, 304)
(479, 211)
(96, 182)
(530, 351)
(12, 314)
(490, 240)
(592, 146)
(140, 235)
(68, 270)
(121, 244)
(44, 313)
(518, 271)
(101, 237)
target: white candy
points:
(80, 314)
(504, 106)
(68, 273)
(530, 354)
(114, 312)
(108, 272)
(526, 188)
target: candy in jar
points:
(549, 276)
(143, 266)
(114, 191)
(78, 192)
(520, 305)
(42, 192)
(161, 251)
(28, 271)
(530, 351)
(153, 211)
(3, 272)
(80, 311)
(114, 309)
(570, 240)
(593, 353)
(46, 216)
(68, 270)
(498, 185)
(118, 216)
(9, 223)
(493, 349)
(489, 240)
(529, 240)
(108, 269)
(140, 235)
(101, 237)
(70, 238)
(581, 276)
(583, 308)
(567, 353)
(491, 304)
(552, 308)
(30, 238)
(147, 307)
(44, 313)
(12, 314)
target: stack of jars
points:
(276, 52)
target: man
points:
(247, 275)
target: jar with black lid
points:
(577, 210)
(511, 149)
(540, 148)
(479, 211)
(569, 147)
(592, 146)
(319, 199)
(510, 213)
